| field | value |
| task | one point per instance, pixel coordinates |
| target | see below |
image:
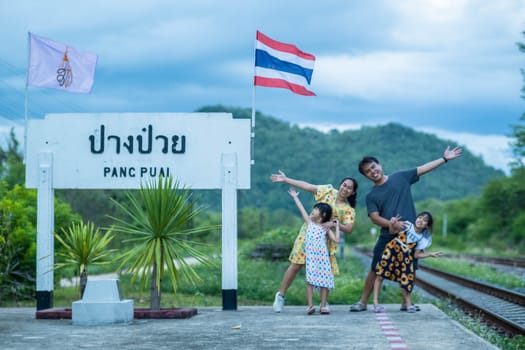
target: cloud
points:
(436, 52)
(374, 76)
(419, 77)
(464, 25)
(495, 150)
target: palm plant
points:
(84, 246)
(157, 220)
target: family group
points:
(403, 237)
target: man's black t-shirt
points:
(394, 197)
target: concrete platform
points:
(251, 327)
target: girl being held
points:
(318, 269)
(397, 261)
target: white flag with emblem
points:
(59, 66)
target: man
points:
(391, 196)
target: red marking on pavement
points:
(390, 331)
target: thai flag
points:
(282, 65)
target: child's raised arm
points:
(295, 195)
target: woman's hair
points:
(325, 210)
(353, 198)
(430, 220)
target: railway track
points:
(502, 309)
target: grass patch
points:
(478, 271)
(258, 280)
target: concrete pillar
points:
(45, 228)
(229, 231)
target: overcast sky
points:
(450, 67)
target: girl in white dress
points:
(318, 268)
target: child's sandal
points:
(310, 310)
(379, 308)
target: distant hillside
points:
(320, 158)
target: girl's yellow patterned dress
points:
(344, 213)
(397, 262)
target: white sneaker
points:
(278, 303)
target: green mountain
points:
(322, 158)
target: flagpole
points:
(253, 127)
(25, 127)
(26, 98)
(253, 108)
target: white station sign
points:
(123, 150)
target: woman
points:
(342, 201)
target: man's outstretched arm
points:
(449, 154)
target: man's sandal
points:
(359, 306)
(404, 308)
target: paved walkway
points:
(250, 327)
